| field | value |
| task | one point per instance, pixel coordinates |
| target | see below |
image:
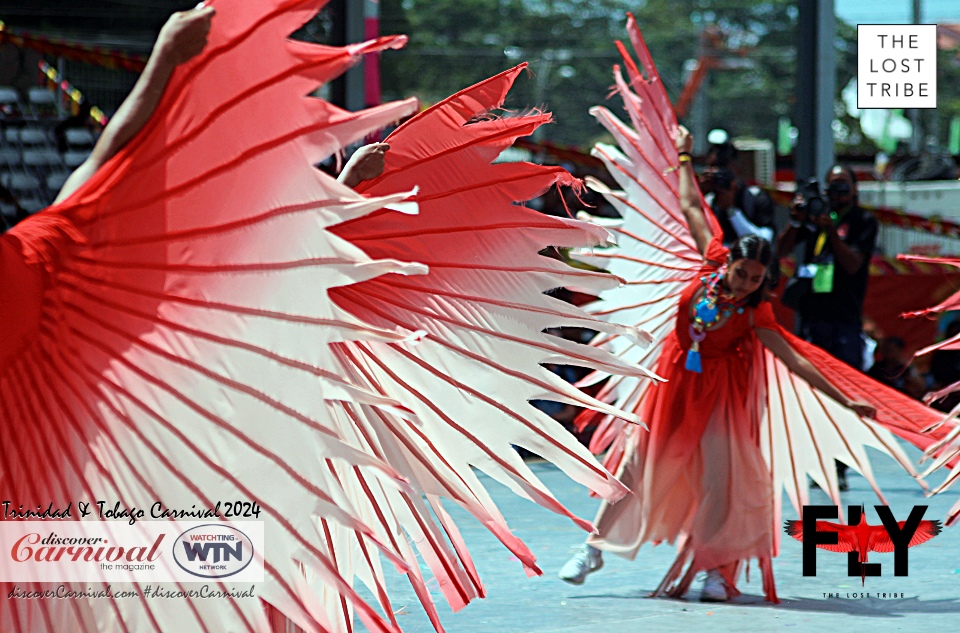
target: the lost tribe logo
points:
(213, 550)
(858, 538)
(896, 66)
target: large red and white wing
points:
(481, 312)
(803, 430)
(655, 253)
(183, 329)
(178, 339)
(946, 450)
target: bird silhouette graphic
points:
(863, 538)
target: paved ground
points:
(614, 600)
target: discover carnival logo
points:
(213, 550)
(144, 552)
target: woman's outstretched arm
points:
(181, 38)
(690, 193)
(799, 365)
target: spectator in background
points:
(741, 210)
(892, 368)
(837, 245)
(945, 370)
(872, 335)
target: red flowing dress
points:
(702, 451)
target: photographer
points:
(838, 238)
(741, 210)
(894, 369)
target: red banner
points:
(98, 56)
(890, 217)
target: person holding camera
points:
(741, 210)
(838, 238)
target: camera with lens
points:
(812, 201)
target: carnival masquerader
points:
(699, 473)
(204, 317)
(748, 409)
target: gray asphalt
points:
(614, 599)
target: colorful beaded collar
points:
(713, 306)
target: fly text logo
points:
(857, 539)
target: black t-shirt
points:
(844, 304)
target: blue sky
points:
(896, 11)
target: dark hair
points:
(756, 249)
(846, 168)
(724, 153)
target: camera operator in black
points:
(741, 210)
(838, 239)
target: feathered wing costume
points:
(946, 450)
(481, 311)
(798, 430)
(210, 318)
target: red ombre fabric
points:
(721, 445)
(946, 451)
(477, 317)
(210, 319)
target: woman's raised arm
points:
(182, 37)
(690, 193)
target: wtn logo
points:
(202, 550)
(213, 550)
(858, 538)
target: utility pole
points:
(816, 81)
(916, 137)
(371, 62)
(347, 91)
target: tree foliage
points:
(455, 43)
(569, 45)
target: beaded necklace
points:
(712, 306)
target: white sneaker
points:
(585, 561)
(714, 587)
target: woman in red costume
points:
(699, 476)
(749, 410)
